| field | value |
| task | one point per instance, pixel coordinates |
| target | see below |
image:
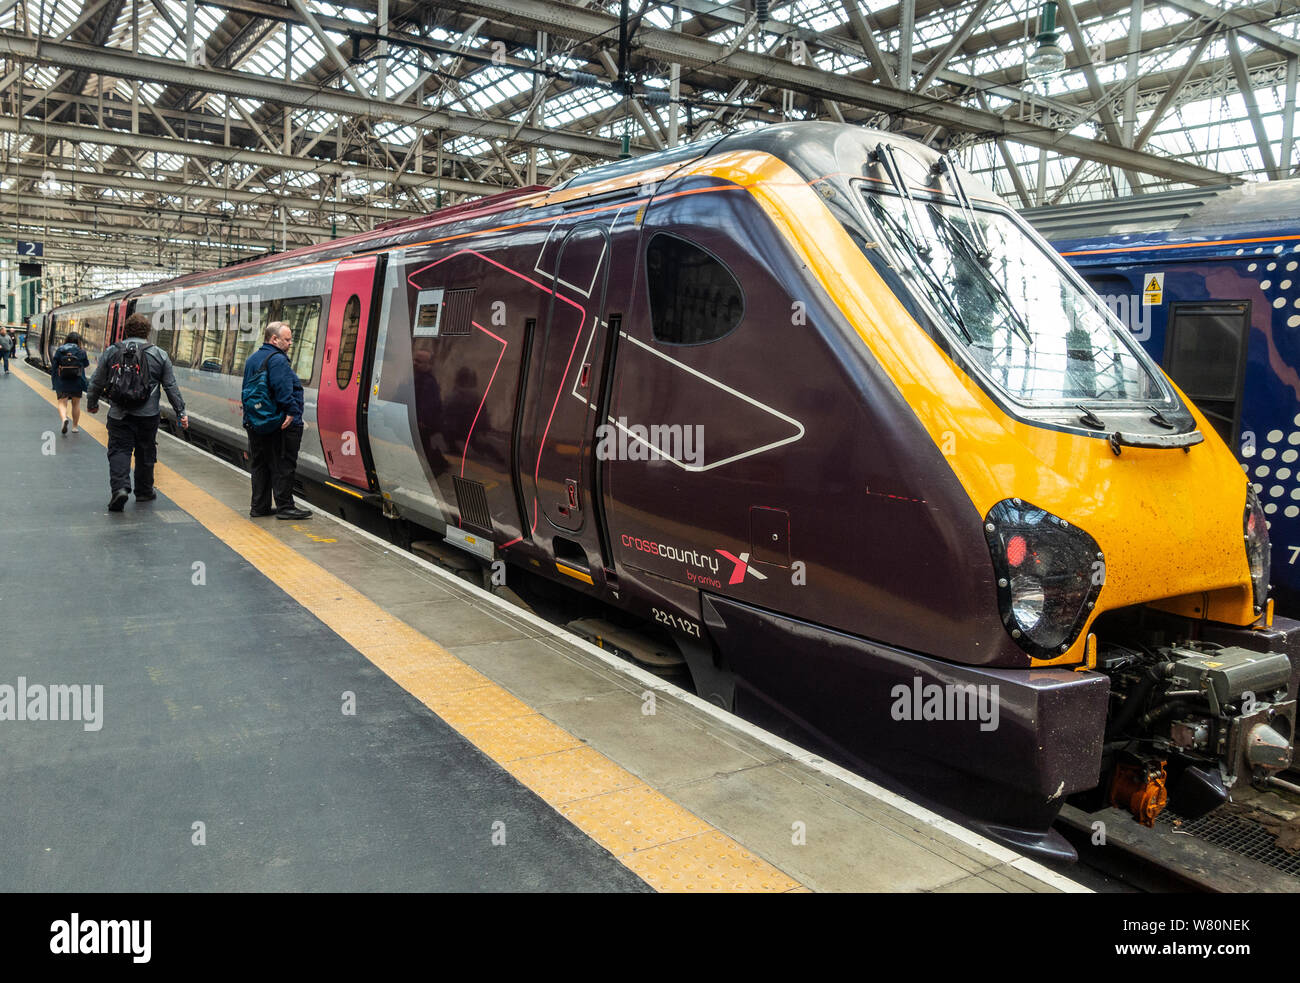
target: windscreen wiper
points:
(1159, 419)
(958, 239)
(922, 265)
(980, 247)
(944, 166)
(1091, 419)
(885, 155)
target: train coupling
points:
(1251, 722)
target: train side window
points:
(189, 336)
(1205, 354)
(694, 298)
(214, 340)
(348, 341)
(93, 336)
(250, 336)
(166, 333)
(233, 322)
(302, 314)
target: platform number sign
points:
(28, 249)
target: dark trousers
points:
(138, 435)
(273, 458)
(4, 354)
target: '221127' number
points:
(672, 621)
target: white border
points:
(799, 427)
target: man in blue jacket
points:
(273, 457)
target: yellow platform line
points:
(664, 844)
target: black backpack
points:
(128, 377)
(68, 361)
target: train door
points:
(36, 341)
(345, 370)
(566, 371)
(116, 322)
(50, 328)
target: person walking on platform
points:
(131, 375)
(68, 377)
(7, 343)
(273, 406)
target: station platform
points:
(299, 706)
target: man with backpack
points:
(272, 397)
(130, 375)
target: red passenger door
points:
(342, 402)
(116, 323)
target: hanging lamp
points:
(1048, 58)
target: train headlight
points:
(1259, 552)
(1049, 574)
(1027, 600)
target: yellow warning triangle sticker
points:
(1153, 286)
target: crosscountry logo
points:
(742, 567)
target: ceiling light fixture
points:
(1048, 59)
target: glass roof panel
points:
(1209, 124)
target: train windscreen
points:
(1002, 298)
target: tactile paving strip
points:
(708, 862)
(670, 848)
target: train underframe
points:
(1176, 715)
(1196, 709)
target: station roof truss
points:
(184, 134)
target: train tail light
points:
(1049, 574)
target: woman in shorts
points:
(69, 378)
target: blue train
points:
(1208, 281)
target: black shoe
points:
(260, 513)
(119, 500)
(146, 498)
(65, 426)
(293, 513)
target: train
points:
(1208, 282)
(830, 416)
